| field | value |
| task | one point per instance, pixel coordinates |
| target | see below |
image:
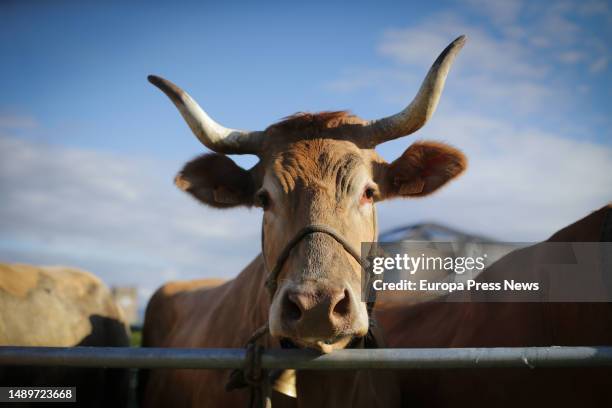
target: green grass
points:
(136, 339)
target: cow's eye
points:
(368, 195)
(262, 199)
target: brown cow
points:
(438, 324)
(62, 307)
(317, 180)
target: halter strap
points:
(272, 279)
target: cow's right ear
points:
(216, 180)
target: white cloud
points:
(555, 23)
(599, 65)
(483, 53)
(13, 121)
(500, 11)
(489, 72)
(571, 57)
(512, 62)
(119, 217)
(594, 7)
(522, 184)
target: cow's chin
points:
(323, 346)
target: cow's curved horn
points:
(421, 108)
(213, 135)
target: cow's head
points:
(318, 169)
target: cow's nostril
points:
(342, 307)
(291, 310)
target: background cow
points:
(317, 180)
(439, 324)
(62, 307)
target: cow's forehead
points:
(316, 162)
(317, 153)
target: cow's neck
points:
(249, 300)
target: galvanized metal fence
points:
(421, 358)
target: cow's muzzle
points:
(316, 315)
(321, 317)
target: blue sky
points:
(89, 148)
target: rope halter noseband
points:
(272, 278)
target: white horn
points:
(421, 108)
(213, 135)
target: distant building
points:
(435, 240)
(465, 243)
(127, 298)
(430, 231)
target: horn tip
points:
(155, 80)
(460, 41)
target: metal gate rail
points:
(422, 358)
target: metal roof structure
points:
(430, 231)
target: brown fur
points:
(314, 123)
(423, 168)
(18, 280)
(439, 324)
(318, 164)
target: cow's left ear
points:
(422, 169)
